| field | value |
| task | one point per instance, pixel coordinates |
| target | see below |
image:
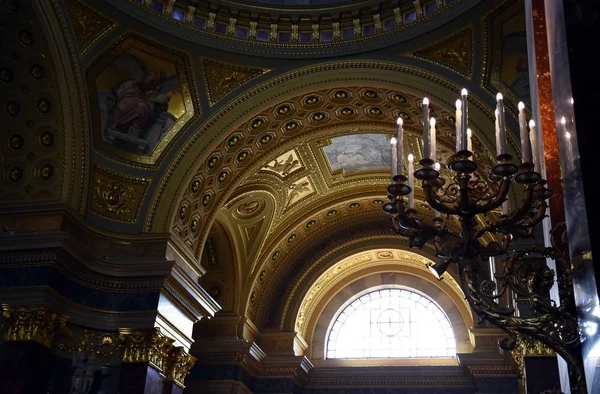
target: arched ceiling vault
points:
(256, 153)
(259, 127)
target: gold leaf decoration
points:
(88, 24)
(454, 52)
(116, 196)
(285, 164)
(222, 78)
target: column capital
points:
(36, 324)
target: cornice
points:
(71, 268)
(196, 23)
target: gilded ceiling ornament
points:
(6, 75)
(298, 190)
(13, 108)
(15, 174)
(116, 196)
(250, 209)
(32, 324)
(37, 71)
(88, 24)
(223, 78)
(16, 141)
(47, 171)
(47, 138)
(455, 52)
(285, 164)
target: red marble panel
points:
(548, 126)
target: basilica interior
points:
(193, 191)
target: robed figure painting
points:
(140, 99)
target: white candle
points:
(411, 180)
(426, 142)
(394, 157)
(469, 142)
(501, 124)
(497, 130)
(437, 168)
(535, 152)
(432, 138)
(493, 270)
(525, 149)
(464, 120)
(458, 116)
(400, 146)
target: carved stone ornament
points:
(180, 365)
(32, 324)
(147, 347)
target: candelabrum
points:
(525, 273)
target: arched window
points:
(391, 323)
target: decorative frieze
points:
(32, 324)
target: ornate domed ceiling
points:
(280, 140)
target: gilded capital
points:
(32, 324)
(533, 347)
(180, 364)
(147, 347)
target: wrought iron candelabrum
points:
(525, 272)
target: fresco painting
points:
(359, 152)
(140, 99)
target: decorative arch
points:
(207, 157)
(371, 269)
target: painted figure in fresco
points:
(134, 113)
(359, 152)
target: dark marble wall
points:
(25, 368)
(64, 282)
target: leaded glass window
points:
(391, 323)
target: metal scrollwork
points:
(524, 273)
